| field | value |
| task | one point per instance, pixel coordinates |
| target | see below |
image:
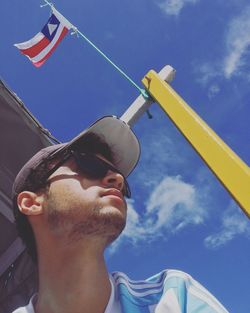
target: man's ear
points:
(30, 203)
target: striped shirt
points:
(169, 291)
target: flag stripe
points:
(28, 44)
(38, 62)
(34, 50)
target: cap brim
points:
(120, 138)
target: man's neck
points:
(73, 282)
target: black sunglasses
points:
(91, 166)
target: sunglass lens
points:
(91, 166)
(95, 168)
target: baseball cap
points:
(116, 133)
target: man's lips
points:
(113, 192)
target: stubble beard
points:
(71, 222)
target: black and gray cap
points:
(115, 132)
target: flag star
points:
(52, 28)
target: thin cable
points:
(142, 91)
(75, 30)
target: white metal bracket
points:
(141, 105)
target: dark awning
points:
(21, 135)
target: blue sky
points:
(179, 216)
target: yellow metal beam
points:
(232, 172)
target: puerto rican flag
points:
(39, 48)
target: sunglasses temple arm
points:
(60, 163)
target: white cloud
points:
(172, 205)
(234, 223)
(174, 7)
(206, 72)
(238, 42)
(235, 55)
(213, 90)
(208, 75)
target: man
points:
(69, 206)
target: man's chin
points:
(115, 211)
(110, 201)
(114, 218)
(104, 222)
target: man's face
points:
(77, 206)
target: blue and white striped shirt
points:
(169, 291)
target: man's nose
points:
(113, 180)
